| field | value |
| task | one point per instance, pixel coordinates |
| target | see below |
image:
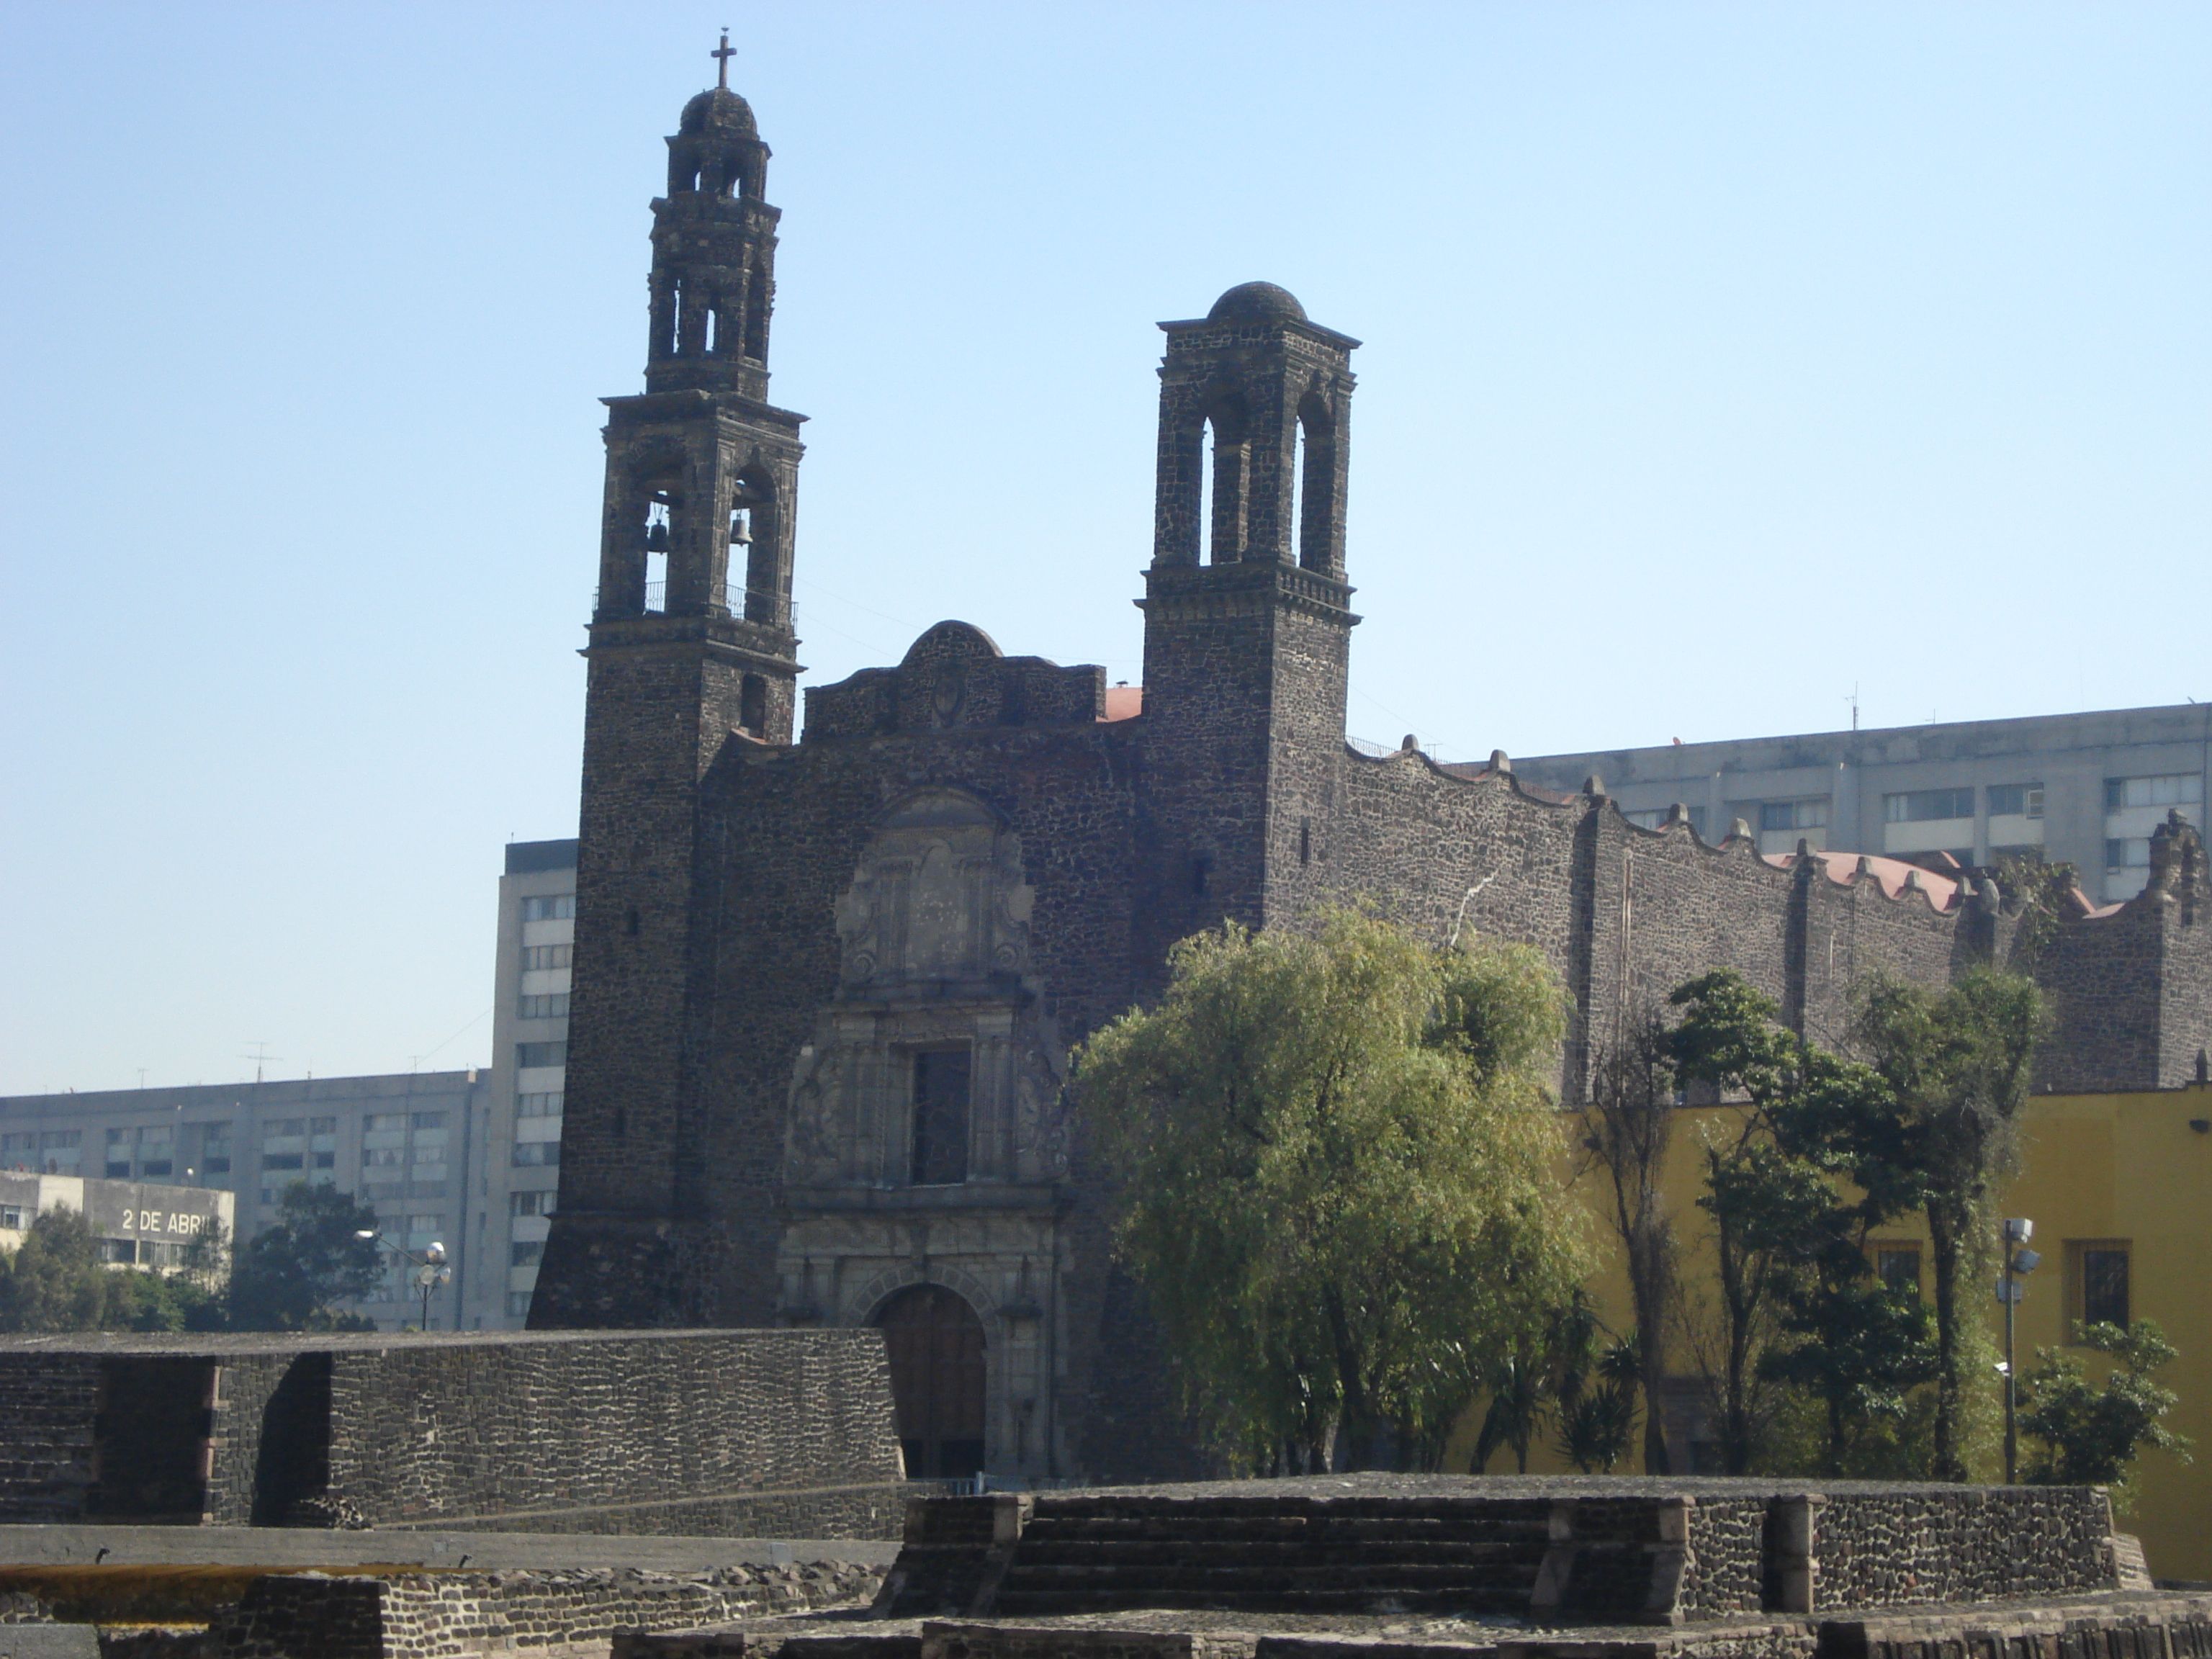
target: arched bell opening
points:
(1225, 475)
(755, 549)
(1314, 480)
(659, 532)
(939, 1380)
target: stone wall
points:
(1554, 1551)
(47, 1404)
(759, 1432)
(423, 1615)
(1878, 1548)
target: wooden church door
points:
(936, 1346)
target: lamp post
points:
(2019, 1261)
(430, 1267)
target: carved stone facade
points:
(825, 990)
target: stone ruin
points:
(1367, 1566)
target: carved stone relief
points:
(934, 946)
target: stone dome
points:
(1257, 302)
(719, 111)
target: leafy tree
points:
(1337, 1150)
(1852, 1343)
(58, 1280)
(1593, 1386)
(1627, 1128)
(2092, 1435)
(289, 1276)
(2039, 895)
(1957, 1063)
(1727, 1038)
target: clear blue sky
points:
(1719, 359)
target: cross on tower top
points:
(722, 55)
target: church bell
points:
(740, 535)
(656, 537)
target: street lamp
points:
(2019, 1259)
(430, 1267)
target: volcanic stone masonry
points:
(756, 1433)
(826, 988)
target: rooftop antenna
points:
(1853, 699)
(260, 1058)
(722, 55)
(142, 1077)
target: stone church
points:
(826, 983)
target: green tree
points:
(59, 1279)
(1852, 1343)
(289, 1276)
(1627, 1129)
(2092, 1435)
(1336, 1150)
(1594, 1383)
(1957, 1063)
(1727, 1038)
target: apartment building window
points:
(1786, 815)
(19, 1150)
(546, 956)
(118, 1154)
(157, 1151)
(529, 1054)
(1655, 818)
(2123, 853)
(525, 1252)
(61, 1151)
(214, 1150)
(518, 1304)
(1898, 1267)
(11, 1217)
(551, 1005)
(537, 1154)
(2015, 800)
(550, 906)
(542, 1104)
(1928, 806)
(529, 1204)
(284, 1145)
(2097, 1281)
(2173, 789)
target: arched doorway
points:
(936, 1345)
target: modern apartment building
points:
(529, 1039)
(2086, 789)
(402, 1143)
(468, 1159)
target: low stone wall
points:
(757, 1432)
(1552, 1551)
(1883, 1548)
(427, 1615)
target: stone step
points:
(1136, 1551)
(1298, 1580)
(1025, 1603)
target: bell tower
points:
(1247, 622)
(692, 650)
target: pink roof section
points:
(1843, 868)
(1124, 702)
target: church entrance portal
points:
(936, 1345)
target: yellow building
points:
(2119, 1187)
